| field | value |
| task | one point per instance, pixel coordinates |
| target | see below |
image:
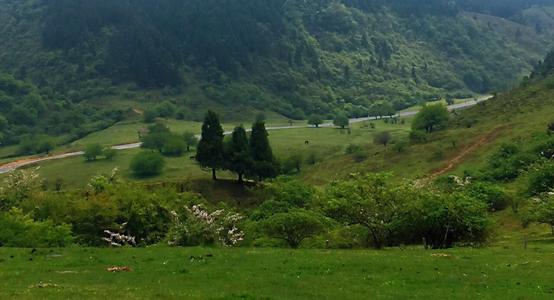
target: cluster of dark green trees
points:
(31, 117)
(246, 156)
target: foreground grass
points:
(205, 273)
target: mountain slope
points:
(293, 57)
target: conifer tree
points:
(210, 148)
(265, 165)
(238, 157)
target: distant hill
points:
(288, 56)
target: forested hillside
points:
(289, 56)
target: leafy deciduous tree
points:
(431, 118)
(315, 120)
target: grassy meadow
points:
(324, 144)
(207, 273)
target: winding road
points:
(6, 168)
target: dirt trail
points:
(458, 159)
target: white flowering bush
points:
(199, 226)
(115, 239)
(18, 185)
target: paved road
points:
(34, 160)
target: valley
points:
(284, 149)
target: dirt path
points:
(458, 159)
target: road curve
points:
(6, 168)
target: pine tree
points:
(210, 148)
(238, 157)
(265, 165)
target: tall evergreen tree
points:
(210, 148)
(238, 157)
(265, 165)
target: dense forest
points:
(293, 57)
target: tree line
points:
(246, 156)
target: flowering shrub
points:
(117, 239)
(17, 186)
(199, 226)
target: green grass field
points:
(206, 273)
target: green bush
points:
(109, 153)
(19, 230)
(394, 214)
(174, 145)
(508, 162)
(147, 164)
(492, 195)
(293, 164)
(418, 137)
(446, 219)
(150, 116)
(541, 211)
(400, 146)
(293, 226)
(541, 178)
(92, 152)
(360, 156)
(353, 148)
(292, 192)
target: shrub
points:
(541, 178)
(341, 121)
(353, 148)
(418, 137)
(394, 214)
(293, 226)
(312, 158)
(166, 109)
(109, 153)
(92, 152)
(19, 230)
(492, 195)
(400, 147)
(360, 156)
(150, 116)
(293, 164)
(368, 201)
(292, 192)
(199, 226)
(446, 219)
(546, 149)
(190, 139)
(508, 162)
(382, 138)
(541, 211)
(147, 164)
(173, 145)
